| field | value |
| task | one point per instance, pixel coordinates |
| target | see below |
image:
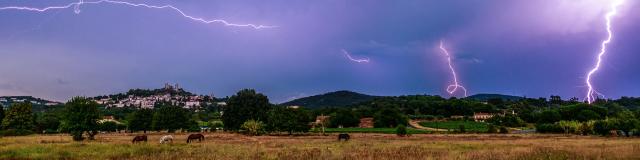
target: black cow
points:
(344, 136)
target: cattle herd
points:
(200, 138)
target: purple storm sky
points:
(524, 48)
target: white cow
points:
(165, 139)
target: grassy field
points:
(368, 130)
(469, 126)
(362, 146)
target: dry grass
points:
(362, 146)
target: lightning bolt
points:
(366, 60)
(592, 94)
(76, 9)
(452, 88)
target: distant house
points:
(321, 120)
(481, 117)
(366, 123)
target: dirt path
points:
(416, 124)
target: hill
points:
(331, 99)
(38, 104)
(485, 97)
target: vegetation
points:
(171, 118)
(81, 116)
(401, 130)
(141, 120)
(469, 126)
(253, 127)
(372, 146)
(332, 99)
(243, 106)
(19, 118)
(291, 120)
(369, 130)
(343, 118)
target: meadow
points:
(361, 146)
(470, 126)
(368, 130)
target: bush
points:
(401, 130)
(253, 127)
(215, 125)
(108, 126)
(462, 130)
(504, 130)
(508, 120)
(492, 129)
(569, 126)
(15, 132)
(602, 127)
(548, 128)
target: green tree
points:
(81, 115)
(401, 130)
(508, 120)
(171, 118)
(253, 127)
(47, 122)
(141, 120)
(603, 127)
(108, 126)
(291, 120)
(549, 116)
(587, 115)
(243, 106)
(388, 117)
(19, 117)
(626, 121)
(344, 118)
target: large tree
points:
(19, 117)
(389, 118)
(81, 116)
(344, 118)
(291, 120)
(141, 120)
(47, 122)
(171, 118)
(243, 106)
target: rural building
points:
(366, 123)
(481, 117)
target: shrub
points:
(569, 126)
(214, 125)
(108, 126)
(253, 127)
(492, 129)
(462, 130)
(548, 128)
(504, 130)
(401, 130)
(602, 127)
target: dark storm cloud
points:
(532, 48)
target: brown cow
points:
(197, 136)
(139, 139)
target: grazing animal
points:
(197, 136)
(344, 136)
(139, 139)
(165, 139)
